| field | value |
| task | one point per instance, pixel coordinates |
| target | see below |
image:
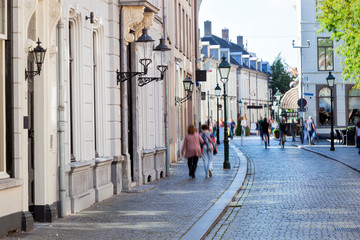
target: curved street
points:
(291, 193)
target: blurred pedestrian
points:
(283, 132)
(265, 131)
(207, 149)
(293, 130)
(357, 127)
(232, 128)
(311, 130)
(191, 149)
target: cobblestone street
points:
(166, 209)
(295, 194)
(299, 192)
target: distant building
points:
(248, 79)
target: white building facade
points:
(317, 61)
(85, 129)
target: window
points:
(354, 106)
(204, 51)
(179, 28)
(3, 17)
(176, 24)
(214, 53)
(3, 23)
(324, 106)
(325, 54)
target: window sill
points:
(10, 183)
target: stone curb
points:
(326, 156)
(201, 228)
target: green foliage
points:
(276, 133)
(280, 78)
(350, 128)
(342, 19)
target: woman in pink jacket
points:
(191, 149)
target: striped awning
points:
(290, 99)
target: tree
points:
(280, 78)
(341, 18)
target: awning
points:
(290, 99)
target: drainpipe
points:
(166, 118)
(61, 109)
(122, 100)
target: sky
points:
(268, 26)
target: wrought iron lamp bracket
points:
(29, 74)
(179, 100)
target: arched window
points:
(354, 106)
(324, 106)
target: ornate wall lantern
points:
(39, 56)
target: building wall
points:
(313, 78)
(180, 29)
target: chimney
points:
(225, 34)
(207, 28)
(240, 41)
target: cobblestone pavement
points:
(166, 210)
(348, 155)
(293, 194)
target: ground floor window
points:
(324, 106)
(354, 106)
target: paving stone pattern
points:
(293, 194)
(165, 212)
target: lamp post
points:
(277, 97)
(330, 81)
(217, 93)
(208, 94)
(224, 70)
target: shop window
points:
(325, 54)
(354, 106)
(324, 106)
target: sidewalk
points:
(347, 155)
(177, 207)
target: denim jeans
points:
(208, 161)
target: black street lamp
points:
(330, 81)
(39, 56)
(217, 93)
(224, 70)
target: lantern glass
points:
(188, 85)
(224, 69)
(217, 90)
(330, 80)
(39, 54)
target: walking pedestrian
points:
(265, 130)
(311, 130)
(232, 128)
(293, 129)
(260, 130)
(191, 149)
(283, 132)
(357, 128)
(207, 149)
(306, 134)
